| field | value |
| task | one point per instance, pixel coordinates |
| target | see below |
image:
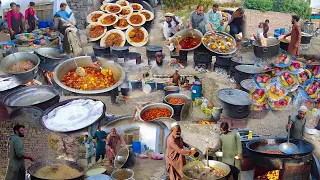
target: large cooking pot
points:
(187, 33)
(305, 38)
(42, 96)
(271, 50)
(154, 106)
(38, 165)
(115, 172)
(245, 72)
(294, 166)
(214, 164)
(11, 59)
(239, 60)
(50, 57)
(236, 103)
(56, 105)
(283, 44)
(176, 107)
(85, 61)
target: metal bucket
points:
(115, 172)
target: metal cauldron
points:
(85, 61)
(271, 50)
(176, 107)
(186, 33)
(11, 59)
(153, 106)
(38, 165)
(215, 164)
(293, 166)
(50, 57)
(171, 89)
(119, 170)
(42, 96)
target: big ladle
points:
(80, 70)
(287, 147)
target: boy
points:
(89, 150)
(63, 13)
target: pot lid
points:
(124, 154)
(187, 109)
(7, 83)
(119, 48)
(249, 69)
(247, 84)
(95, 171)
(154, 48)
(234, 97)
(306, 34)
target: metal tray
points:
(215, 40)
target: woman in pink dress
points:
(114, 144)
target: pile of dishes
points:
(121, 15)
(222, 43)
(28, 37)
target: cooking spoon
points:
(287, 147)
(103, 71)
(80, 70)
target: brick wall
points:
(35, 142)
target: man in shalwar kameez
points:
(114, 144)
(294, 45)
(101, 145)
(175, 154)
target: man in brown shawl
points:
(294, 45)
(175, 154)
(114, 143)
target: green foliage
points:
(191, 4)
(299, 7)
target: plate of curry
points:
(137, 36)
(136, 19)
(108, 19)
(96, 31)
(123, 3)
(127, 10)
(122, 24)
(148, 14)
(94, 79)
(136, 6)
(114, 37)
(94, 16)
(111, 8)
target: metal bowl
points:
(153, 106)
(11, 59)
(119, 170)
(186, 33)
(217, 51)
(86, 61)
(176, 107)
(50, 57)
(38, 165)
(212, 163)
(121, 157)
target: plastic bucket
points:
(136, 147)
(160, 86)
(43, 24)
(282, 31)
(276, 33)
(136, 85)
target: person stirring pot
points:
(298, 123)
(231, 146)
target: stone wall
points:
(35, 142)
(83, 8)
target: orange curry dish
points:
(136, 19)
(94, 79)
(125, 11)
(109, 19)
(21, 66)
(176, 101)
(95, 17)
(155, 113)
(114, 39)
(113, 8)
(136, 7)
(96, 31)
(137, 35)
(123, 3)
(146, 14)
(122, 23)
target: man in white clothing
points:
(171, 26)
